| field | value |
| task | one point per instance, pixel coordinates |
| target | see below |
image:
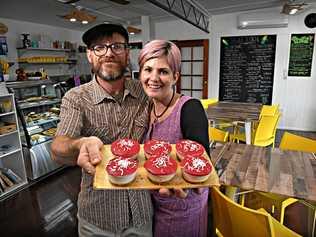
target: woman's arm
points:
(194, 123)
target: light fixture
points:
(292, 8)
(80, 15)
(133, 30)
(293, 11)
(244, 23)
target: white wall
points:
(296, 96)
(16, 28)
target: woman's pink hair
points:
(160, 48)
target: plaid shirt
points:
(89, 110)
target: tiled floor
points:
(49, 208)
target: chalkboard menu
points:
(301, 55)
(246, 68)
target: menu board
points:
(247, 68)
(301, 55)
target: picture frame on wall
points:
(301, 55)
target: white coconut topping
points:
(191, 146)
(161, 161)
(123, 163)
(158, 145)
(126, 144)
(198, 163)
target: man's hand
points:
(89, 153)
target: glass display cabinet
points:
(38, 106)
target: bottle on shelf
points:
(26, 42)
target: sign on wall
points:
(247, 68)
(301, 55)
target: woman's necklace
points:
(163, 112)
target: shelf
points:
(38, 123)
(8, 113)
(47, 139)
(12, 190)
(10, 152)
(35, 83)
(6, 95)
(47, 62)
(28, 105)
(45, 49)
(9, 133)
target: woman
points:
(173, 117)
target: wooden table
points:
(235, 111)
(289, 173)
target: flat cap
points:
(103, 30)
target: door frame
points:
(196, 43)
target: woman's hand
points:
(178, 192)
(89, 154)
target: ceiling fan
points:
(81, 15)
(292, 7)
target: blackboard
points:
(301, 55)
(247, 68)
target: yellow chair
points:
(206, 102)
(217, 135)
(264, 135)
(273, 203)
(266, 130)
(269, 110)
(234, 220)
(291, 141)
(266, 110)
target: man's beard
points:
(113, 76)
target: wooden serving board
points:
(101, 180)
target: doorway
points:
(194, 68)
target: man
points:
(96, 113)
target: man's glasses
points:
(117, 48)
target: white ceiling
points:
(49, 11)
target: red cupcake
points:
(122, 170)
(156, 147)
(127, 148)
(189, 148)
(160, 168)
(195, 169)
